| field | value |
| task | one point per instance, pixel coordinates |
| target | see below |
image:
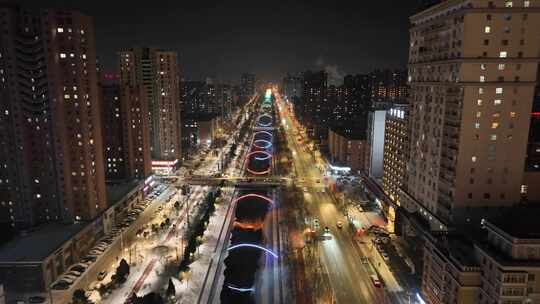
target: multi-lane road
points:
(340, 257)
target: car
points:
(68, 279)
(316, 222)
(78, 267)
(61, 285)
(375, 281)
(36, 299)
(101, 275)
(326, 230)
(339, 224)
(89, 258)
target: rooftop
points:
(36, 245)
(520, 221)
(117, 191)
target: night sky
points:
(222, 39)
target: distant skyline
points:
(222, 39)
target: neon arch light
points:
(267, 143)
(264, 124)
(253, 195)
(268, 155)
(252, 289)
(258, 172)
(263, 132)
(254, 246)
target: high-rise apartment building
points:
(51, 157)
(395, 145)
(313, 107)
(156, 71)
(126, 145)
(472, 72)
(247, 85)
(292, 86)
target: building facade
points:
(346, 149)
(375, 143)
(125, 131)
(49, 62)
(156, 71)
(395, 144)
(496, 263)
(472, 72)
(247, 86)
(292, 86)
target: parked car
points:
(78, 267)
(61, 285)
(101, 275)
(36, 299)
(89, 259)
(375, 281)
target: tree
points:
(152, 298)
(79, 297)
(122, 271)
(171, 291)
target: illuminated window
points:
(508, 4)
(60, 30)
(494, 125)
(480, 91)
(496, 115)
(493, 137)
(482, 78)
(499, 90)
(501, 66)
(62, 55)
(477, 125)
(478, 114)
(479, 102)
(513, 114)
(526, 3)
(483, 66)
(503, 54)
(497, 102)
(473, 159)
(487, 29)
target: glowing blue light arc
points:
(253, 246)
(252, 289)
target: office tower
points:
(472, 81)
(51, 138)
(156, 71)
(247, 86)
(126, 135)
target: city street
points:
(339, 256)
